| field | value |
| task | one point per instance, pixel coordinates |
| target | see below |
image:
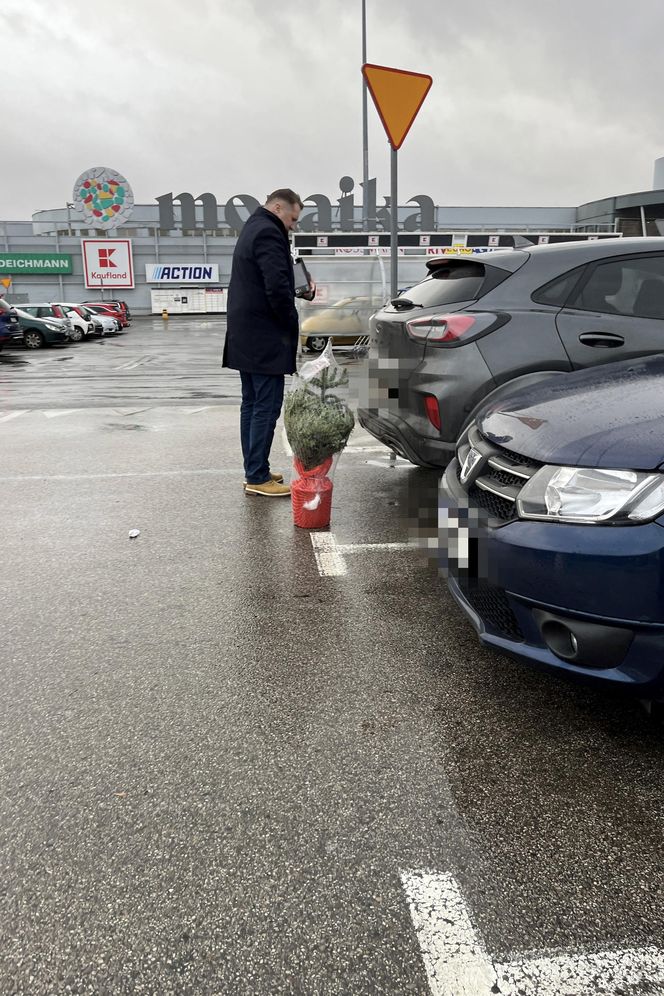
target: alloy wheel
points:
(33, 340)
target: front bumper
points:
(583, 601)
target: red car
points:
(116, 309)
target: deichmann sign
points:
(182, 273)
(35, 262)
(107, 263)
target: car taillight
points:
(451, 330)
(432, 410)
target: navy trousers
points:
(262, 398)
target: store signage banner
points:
(458, 250)
(35, 262)
(107, 263)
(182, 273)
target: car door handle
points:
(603, 340)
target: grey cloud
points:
(531, 103)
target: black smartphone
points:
(301, 277)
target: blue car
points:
(9, 324)
(551, 521)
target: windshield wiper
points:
(404, 304)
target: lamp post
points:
(69, 205)
(365, 126)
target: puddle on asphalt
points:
(14, 361)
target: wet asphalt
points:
(215, 763)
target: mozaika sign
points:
(317, 220)
(35, 262)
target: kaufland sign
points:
(107, 263)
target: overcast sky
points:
(533, 102)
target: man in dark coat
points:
(262, 331)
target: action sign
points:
(398, 96)
(107, 263)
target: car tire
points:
(317, 343)
(32, 339)
(76, 335)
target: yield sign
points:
(6, 282)
(398, 96)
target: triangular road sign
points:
(398, 96)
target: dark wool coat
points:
(262, 322)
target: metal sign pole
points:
(365, 127)
(394, 227)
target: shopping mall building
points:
(176, 252)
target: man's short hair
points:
(284, 194)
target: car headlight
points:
(585, 495)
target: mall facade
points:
(176, 253)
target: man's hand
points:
(311, 293)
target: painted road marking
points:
(99, 477)
(330, 554)
(132, 364)
(457, 963)
(395, 463)
(11, 415)
(57, 412)
(328, 559)
(368, 449)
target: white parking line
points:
(132, 364)
(454, 958)
(285, 443)
(367, 449)
(457, 964)
(329, 560)
(69, 411)
(330, 554)
(352, 547)
(235, 471)
(11, 415)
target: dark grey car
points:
(478, 326)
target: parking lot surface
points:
(230, 767)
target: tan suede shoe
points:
(271, 489)
(279, 478)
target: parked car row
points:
(47, 324)
(527, 375)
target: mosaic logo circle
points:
(104, 197)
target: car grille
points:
(494, 610)
(503, 474)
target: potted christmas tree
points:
(318, 423)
